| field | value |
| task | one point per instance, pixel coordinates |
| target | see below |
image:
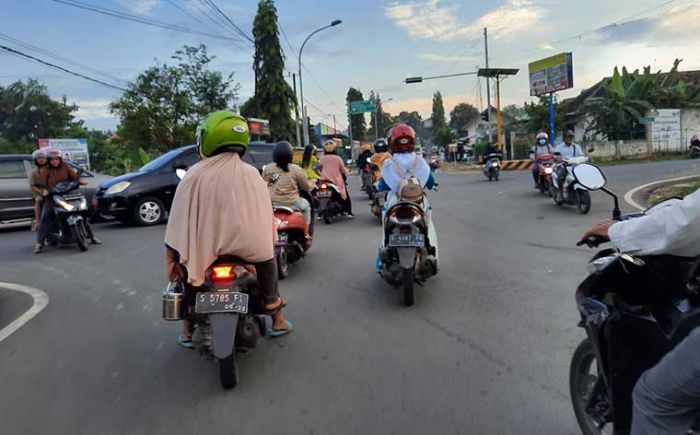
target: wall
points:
(690, 124)
(606, 149)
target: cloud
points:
(432, 19)
(630, 31)
(445, 58)
(93, 108)
(141, 6)
(546, 47)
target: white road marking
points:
(631, 193)
(41, 300)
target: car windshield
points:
(160, 161)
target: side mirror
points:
(589, 176)
(180, 172)
(591, 150)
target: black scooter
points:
(70, 216)
(330, 202)
(634, 311)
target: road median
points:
(646, 195)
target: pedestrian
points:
(36, 184)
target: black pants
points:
(347, 204)
(267, 280)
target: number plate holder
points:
(221, 302)
(406, 240)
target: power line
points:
(135, 18)
(186, 12)
(60, 68)
(238, 29)
(66, 60)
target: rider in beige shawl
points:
(222, 207)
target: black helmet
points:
(380, 146)
(283, 154)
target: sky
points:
(377, 46)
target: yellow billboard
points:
(551, 74)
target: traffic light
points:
(413, 79)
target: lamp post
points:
(305, 126)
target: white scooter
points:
(573, 193)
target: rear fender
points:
(407, 257)
(223, 333)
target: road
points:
(486, 348)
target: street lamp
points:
(305, 127)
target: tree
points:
(274, 99)
(461, 114)
(358, 125)
(27, 112)
(161, 109)
(386, 121)
(441, 133)
(538, 115)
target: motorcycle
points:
(545, 163)
(409, 253)
(227, 314)
(573, 192)
(70, 216)
(694, 151)
(368, 178)
(492, 166)
(634, 311)
(294, 237)
(377, 204)
(330, 202)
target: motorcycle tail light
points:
(405, 229)
(324, 186)
(222, 272)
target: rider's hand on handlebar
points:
(598, 234)
(44, 192)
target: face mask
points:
(543, 141)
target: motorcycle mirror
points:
(591, 150)
(180, 173)
(589, 176)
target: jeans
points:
(667, 396)
(302, 204)
(536, 172)
(46, 222)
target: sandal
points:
(273, 333)
(184, 341)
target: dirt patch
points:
(678, 189)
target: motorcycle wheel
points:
(327, 217)
(584, 201)
(544, 187)
(228, 371)
(282, 263)
(554, 194)
(496, 174)
(407, 286)
(80, 236)
(581, 382)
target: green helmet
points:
(220, 130)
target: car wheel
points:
(148, 211)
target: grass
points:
(679, 189)
(635, 161)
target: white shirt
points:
(673, 229)
(569, 151)
(392, 176)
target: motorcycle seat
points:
(285, 209)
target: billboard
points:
(258, 127)
(71, 149)
(325, 130)
(551, 74)
(666, 130)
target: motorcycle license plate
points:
(221, 302)
(406, 240)
(326, 194)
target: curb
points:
(645, 188)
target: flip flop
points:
(272, 333)
(184, 342)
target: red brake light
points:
(405, 229)
(222, 272)
(324, 186)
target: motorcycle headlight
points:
(65, 204)
(494, 164)
(118, 188)
(548, 170)
(83, 204)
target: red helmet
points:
(402, 139)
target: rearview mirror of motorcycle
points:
(591, 150)
(180, 173)
(589, 176)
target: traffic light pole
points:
(488, 85)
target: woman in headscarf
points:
(333, 169)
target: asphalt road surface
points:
(486, 348)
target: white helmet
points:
(542, 135)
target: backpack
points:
(410, 188)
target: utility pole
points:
(488, 85)
(296, 110)
(350, 126)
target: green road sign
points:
(646, 120)
(357, 107)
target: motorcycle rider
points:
(666, 398)
(490, 149)
(364, 155)
(35, 184)
(542, 146)
(57, 171)
(222, 207)
(285, 180)
(333, 169)
(381, 153)
(694, 145)
(308, 162)
(566, 151)
(404, 163)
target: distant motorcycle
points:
(546, 169)
(70, 216)
(695, 151)
(634, 310)
(377, 205)
(294, 237)
(573, 192)
(330, 201)
(227, 314)
(492, 166)
(368, 178)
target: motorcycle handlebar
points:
(592, 241)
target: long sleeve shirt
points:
(569, 151)
(673, 229)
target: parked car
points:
(144, 197)
(16, 202)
